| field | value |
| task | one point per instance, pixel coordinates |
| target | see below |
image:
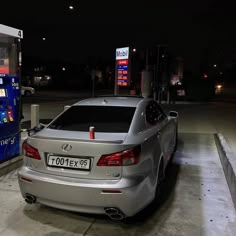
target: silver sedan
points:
(104, 155)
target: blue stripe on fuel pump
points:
(9, 117)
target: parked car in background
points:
(37, 81)
(41, 81)
(219, 87)
(27, 91)
(104, 155)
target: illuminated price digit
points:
(20, 33)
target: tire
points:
(174, 148)
(176, 139)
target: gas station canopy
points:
(6, 31)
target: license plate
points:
(69, 162)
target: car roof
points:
(124, 101)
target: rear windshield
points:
(102, 118)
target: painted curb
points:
(228, 161)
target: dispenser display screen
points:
(2, 93)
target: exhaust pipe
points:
(30, 199)
(114, 213)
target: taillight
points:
(124, 158)
(30, 151)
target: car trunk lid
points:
(74, 154)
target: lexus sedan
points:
(104, 155)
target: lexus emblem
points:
(66, 147)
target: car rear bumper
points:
(86, 196)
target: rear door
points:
(156, 117)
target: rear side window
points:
(154, 113)
(104, 118)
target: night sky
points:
(197, 30)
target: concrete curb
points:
(228, 161)
(10, 165)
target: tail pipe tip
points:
(30, 198)
(114, 213)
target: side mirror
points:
(173, 114)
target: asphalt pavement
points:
(195, 182)
(217, 118)
(195, 202)
(198, 197)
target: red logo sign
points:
(4, 70)
(122, 62)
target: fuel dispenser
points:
(10, 92)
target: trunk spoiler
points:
(83, 140)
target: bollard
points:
(34, 115)
(146, 83)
